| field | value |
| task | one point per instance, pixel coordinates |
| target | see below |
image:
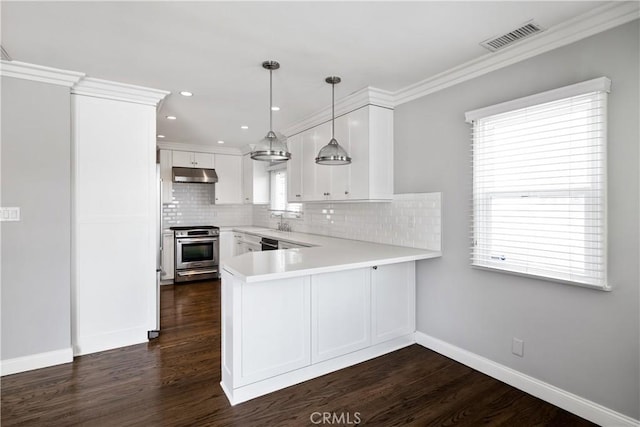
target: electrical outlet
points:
(10, 214)
(517, 347)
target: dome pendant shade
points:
(273, 147)
(333, 154)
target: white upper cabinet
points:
(255, 181)
(189, 159)
(367, 136)
(229, 186)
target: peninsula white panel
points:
(392, 301)
(341, 310)
(114, 173)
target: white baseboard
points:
(110, 340)
(563, 399)
(36, 361)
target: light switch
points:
(10, 214)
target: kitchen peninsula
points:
(292, 315)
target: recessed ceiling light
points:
(244, 127)
(274, 108)
(186, 93)
(160, 136)
(171, 117)
(220, 142)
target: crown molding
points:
(198, 148)
(358, 99)
(593, 22)
(39, 73)
(119, 91)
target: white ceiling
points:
(215, 50)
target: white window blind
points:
(539, 188)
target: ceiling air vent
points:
(504, 40)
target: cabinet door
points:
(321, 137)
(255, 181)
(294, 169)
(166, 162)
(247, 178)
(182, 159)
(168, 256)
(358, 136)
(341, 174)
(276, 330)
(203, 160)
(341, 313)
(238, 245)
(393, 301)
(229, 170)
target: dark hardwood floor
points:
(174, 381)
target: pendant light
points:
(273, 147)
(333, 153)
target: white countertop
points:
(328, 254)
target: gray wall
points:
(36, 254)
(581, 340)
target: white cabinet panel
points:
(294, 169)
(255, 181)
(168, 256)
(166, 161)
(393, 301)
(227, 246)
(275, 323)
(341, 310)
(229, 170)
(114, 223)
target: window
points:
(539, 185)
(278, 194)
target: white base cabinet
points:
(281, 332)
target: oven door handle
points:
(196, 239)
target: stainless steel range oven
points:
(197, 253)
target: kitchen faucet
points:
(283, 226)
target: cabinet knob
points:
(346, 192)
(297, 195)
(375, 267)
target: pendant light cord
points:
(271, 100)
(333, 111)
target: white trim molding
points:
(365, 96)
(600, 84)
(595, 21)
(198, 148)
(36, 361)
(563, 399)
(39, 73)
(119, 91)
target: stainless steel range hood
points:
(200, 176)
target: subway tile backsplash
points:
(191, 205)
(412, 220)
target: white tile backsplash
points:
(191, 205)
(412, 220)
